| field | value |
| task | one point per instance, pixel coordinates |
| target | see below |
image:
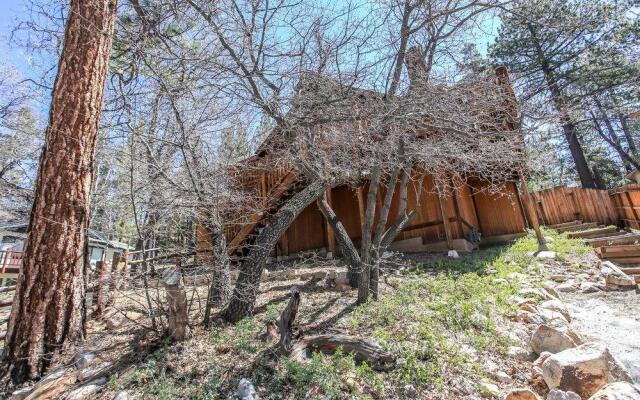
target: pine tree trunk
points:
(248, 283)
(568, 125)
(48, 308)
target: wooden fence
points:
(626, 200)
(566, 204)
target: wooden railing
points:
(10, 262)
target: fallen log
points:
(300, 348)
(363, 350)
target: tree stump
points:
(102, 288)
(298, 348)
(177, 316)
(121, 269)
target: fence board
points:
(565, 204)
(626, 200)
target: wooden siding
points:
(566, 204)
(626, 201)
(499, 213)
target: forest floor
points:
(449, 323)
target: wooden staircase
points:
(610, 244)
(271, 188)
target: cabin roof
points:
(96, 238)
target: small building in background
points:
(13, 238)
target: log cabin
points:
(469, 216)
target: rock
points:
(568, 286)
(500, 281)
(84, 359)
(589, 287)
(528, 307)
(615, 277)
(488, 389)
(552, 317)
(542, 358)
(617, 391)
(558, 278)
(518, 353)
(453, 254)
(113, 323)
(546, 255)
(86, 390)
(502, 377)
(558, 306)
(553, 339)
(342, 277)
(21, 393)
(519, 301)
(246, 390)
(527, 317)
(562, 395)
(583, 369)
(521, 394)
(537, 381)
(122, 396)
(491, 271)
(549, 287)
(534, 292)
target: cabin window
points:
(95, 255)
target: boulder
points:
(558, 278)
(122, 396)
(521, 394)
(568, 286)
(617, 391)
(554, 338)
(246, 390)
(527, 317)
(21, 393)
(518, 353)
(562, 395)
(584, 369)
(615, 277)
(552, 317)
(549, 287)
(558, 306)
(541, 359)
(488, 389)
(502, 377)
(589, 287)
(546, 255)
(536, 293)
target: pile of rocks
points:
(566, 367)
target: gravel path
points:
(612, 318)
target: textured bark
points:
(220, 288)
(364, 279)
(347, 248)
(568, 125)
(299, 348)
(103, 288)
(285, 323)
(177, 314)
(248, 283)
(48, 312)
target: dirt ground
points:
(612, 318)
